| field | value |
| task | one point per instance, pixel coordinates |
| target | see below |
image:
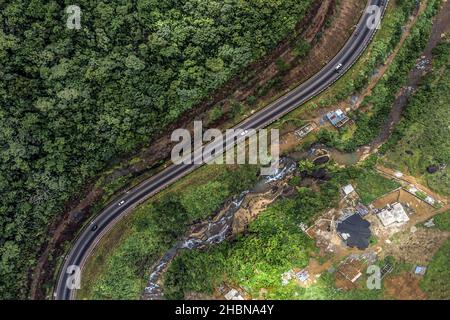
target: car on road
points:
(94, 227)
(345, 57)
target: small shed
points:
(337, 118)
(348, 189)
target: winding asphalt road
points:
(89, 237)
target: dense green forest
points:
(72, 100)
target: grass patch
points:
(273, 245)
(422, 138)
(367, 182)
(119, 266)
(442, 221)
(436, 282)
(379, 102)
(370, 186)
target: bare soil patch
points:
(331, 41)
(80, 208)
(404, 287)
(416, 247)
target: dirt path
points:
(440, 26)
(404, 287)
(384, 68)
(396, 110)
(80, 209)
(410, 180)
(419, 246)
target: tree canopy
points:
(72, 100)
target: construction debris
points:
(420, 270)
(287, 276)
(303, 226)
(430, 223)
(233, 294)
(422, 63)
(305, 130)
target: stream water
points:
(214, 230)
(219, 226)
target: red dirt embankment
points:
(324, 42)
